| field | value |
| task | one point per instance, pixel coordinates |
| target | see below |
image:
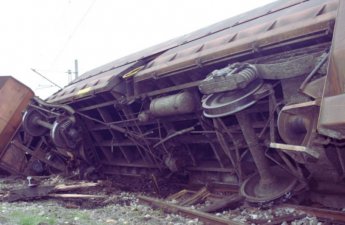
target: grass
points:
(32, 217)
(81, 215)
(24, 218)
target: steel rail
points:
(205, 217)
(331, 215)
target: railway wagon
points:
(14, 98)
(254, 101)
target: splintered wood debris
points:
(51, 191)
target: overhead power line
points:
(41, 75)
(70, 36)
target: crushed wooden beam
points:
(79, 196)
(177, 195)
(63, 187)
(197, 197)
(46, 191)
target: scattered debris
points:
(227, 202)
(197, 197)
(58, 194)
(36, 192)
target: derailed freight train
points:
(255, 101)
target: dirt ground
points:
(119, 207)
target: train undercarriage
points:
(254, 102)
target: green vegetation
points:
(30, 218)
(80, 215)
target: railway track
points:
(279, 214)
(209, 207)
(327, 215)
(205, 217)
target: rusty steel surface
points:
(331, 120)
(36, 154)
(275, 28)
(14, 98)
(335, 83)
(103, 81)
(13, 160)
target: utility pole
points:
(76, 68)
(75, 72)
(69, 74)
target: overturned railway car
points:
(255, 101)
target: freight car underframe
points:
(120, 136)
(180, 124)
